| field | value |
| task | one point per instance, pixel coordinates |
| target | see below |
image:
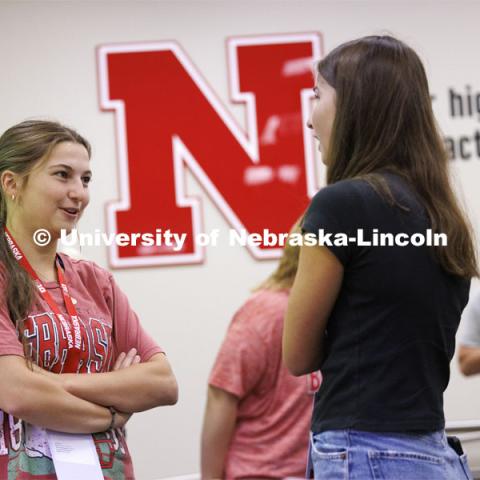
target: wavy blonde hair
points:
(283, 276)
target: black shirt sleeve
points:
(333, 216)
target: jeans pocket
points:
(329, 464)
(393, 465)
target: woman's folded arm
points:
(42, 401)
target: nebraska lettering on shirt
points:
(100, 303)
(12, 435)
(49, 343)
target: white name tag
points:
(74, 456)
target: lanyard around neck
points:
(74, 340)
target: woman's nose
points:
(77, 190)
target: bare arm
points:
(42, 401)
(314, 292)
(218, 427)
(469, 360)
(139, 387)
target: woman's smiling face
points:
(55, 193)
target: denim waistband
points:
(382, 440)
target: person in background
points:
(73, 355)
(380, 320)
(257, 414)
(469, 340)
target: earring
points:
(13, 197)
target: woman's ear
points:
(10, 184)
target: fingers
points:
(125, 360)
(119, 361)
(130, 357)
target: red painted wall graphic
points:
(168, 119)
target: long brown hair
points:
(384, 122)
(22, 148)
(283, 276)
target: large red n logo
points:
(168, 120)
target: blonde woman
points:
(257, 415)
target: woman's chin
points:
(65, 231)
(60, 231)
(323, 155)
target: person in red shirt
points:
(257, 416)
(73, 355)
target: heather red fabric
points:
(108, 326)
(272, 432)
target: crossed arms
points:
(77, 403)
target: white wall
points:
(48, 68)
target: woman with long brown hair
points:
(378, 318)
(73, 355)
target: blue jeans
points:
(358, 455)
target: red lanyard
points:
(74, 340)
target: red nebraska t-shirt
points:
(102, 307)
(272, 431)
